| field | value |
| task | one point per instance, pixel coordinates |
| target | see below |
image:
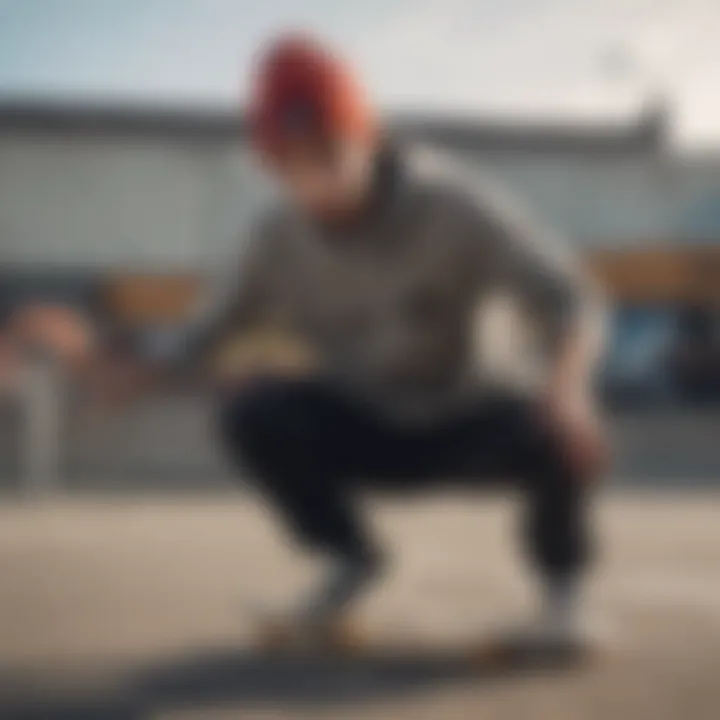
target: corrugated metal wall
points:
(119, 202)
(167, 203)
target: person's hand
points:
(61, 332)
(242, 361)
(55, 331)
(572, 416)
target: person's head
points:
(313, 126)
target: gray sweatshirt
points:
(390, 303)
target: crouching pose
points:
(379, 257)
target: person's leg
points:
(507, 438)
(306, 445)
(557, 527)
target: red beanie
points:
(301, 89)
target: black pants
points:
(312, 448)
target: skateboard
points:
(492, 653)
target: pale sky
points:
(551, 58)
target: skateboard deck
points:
(491, 652)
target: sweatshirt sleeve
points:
(234, 299)
(533, 264)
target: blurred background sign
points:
(675, 274)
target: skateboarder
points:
(379, 255)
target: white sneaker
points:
(553, 639)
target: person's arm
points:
(567, 309)
(537, 268)
(169, 356)
(232, 301)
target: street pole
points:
(41, 396)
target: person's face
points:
(328, 180)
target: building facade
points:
(110, 191)
(127, 210)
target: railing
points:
(39, 414)
(169, 443)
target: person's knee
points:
(251, 422)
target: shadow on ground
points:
(245, 680)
